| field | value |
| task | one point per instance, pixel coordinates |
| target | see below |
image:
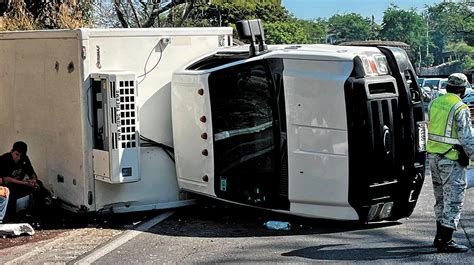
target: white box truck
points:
(82, 99)
(316, 130)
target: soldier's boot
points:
(437, 237)
(446, 243)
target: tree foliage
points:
(227, 13)
(177, 13)
(349, 27)
(18, 18)
(281, 26)
(286, 33)
(252, 3)
(450, 23)
(146, 14)
(462, 52)
(406, 26)
(33, 15)
(444, 29)
(316, 29)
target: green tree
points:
(227, 13)
(177, 13)
(249, 2)
(450, 23)
(286, 33)
(280, 25)
(463, 53)
(349, 27)
(374, 29)
(316, 30)
(406, 26)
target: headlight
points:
(374, 64)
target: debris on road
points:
(278, 225)
(16, 229)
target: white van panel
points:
(41, 104)
(317, 137)
(188, 107)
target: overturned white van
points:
(316, 130)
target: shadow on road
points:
(212, 218)
(331, 253)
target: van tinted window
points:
(250, 159)
(242, 116)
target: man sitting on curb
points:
(18, 175)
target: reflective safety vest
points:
(442, 129)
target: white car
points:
(469, 97)
(432, 83)
(436, 86)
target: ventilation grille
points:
(127, 114)
(384, 137)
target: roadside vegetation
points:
(438, 34)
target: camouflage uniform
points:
(449, 178)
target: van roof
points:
(322, 51)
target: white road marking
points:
(122, 239)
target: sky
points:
(309, 9)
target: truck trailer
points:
(323, 131)
(94, 107)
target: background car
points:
(432, 83)
(431, 88)
(469, 99)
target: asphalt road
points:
(221, 233)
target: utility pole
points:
(427, 32)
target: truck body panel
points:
(46, 88)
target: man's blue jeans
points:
(3, 207)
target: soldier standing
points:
(449, 140)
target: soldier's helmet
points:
(457, 83)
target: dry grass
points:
(67, 15)
(70, 17)
(18, 18)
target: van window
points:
(247, 126)
(242, 116)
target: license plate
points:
(422, 135)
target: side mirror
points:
(252, 30)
